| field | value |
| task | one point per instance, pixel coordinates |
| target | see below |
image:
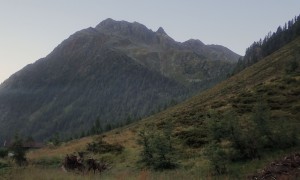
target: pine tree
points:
(18, 151)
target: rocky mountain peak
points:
(133, 30)
(161, 31)
(107, 21)
(194, 43)
(121, 26)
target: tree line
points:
(271, 43)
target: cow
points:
(73, 162)
(100, 166)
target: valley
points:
(120, 101)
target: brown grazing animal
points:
(72, 162)
(100, 166)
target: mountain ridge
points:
(113, 71)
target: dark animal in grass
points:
(73, 162)
(100, 166)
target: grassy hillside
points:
(274, 80)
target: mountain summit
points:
(116, 72)
(134, 30)
(161, 31)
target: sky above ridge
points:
(31, 29)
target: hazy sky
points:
(31, 29)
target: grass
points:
(193, 167)
(32, 173)
(197, 169)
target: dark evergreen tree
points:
(96, 128)
(18, 151)
(3, 152)
(55, 140)
(146, 155)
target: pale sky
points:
(31, 29)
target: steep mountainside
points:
(188, 63)
(271, 80)
(113, 71)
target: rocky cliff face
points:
(113, 71)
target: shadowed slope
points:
(115, 71)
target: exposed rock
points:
(285, 168)
(161, 31)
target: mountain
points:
(271, 80)
(115, 72)
(159, 52)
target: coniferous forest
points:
(271, 43)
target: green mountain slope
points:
(274, 80)
(265, 79)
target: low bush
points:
(296, 109)
(158, 152)
(289, 80)
(18, 151)
(194, 137)
(48, 162)
(3, 152)
(3, 165)
(99, 146)
(249, 139)
(217, 157)
(291, 65)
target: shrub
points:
(3, 152)
(3, 165)
(163, 153)
(257, 135)
(19, 151)
(100, 146)
(146, 155)
(250, 140)
(291, 66)
(217, 127)
(286, 135)
(48, 162)
(217, 157)
(55, 140)
(243, 141)
(289, 80)
(235, 141)
(194, 138)
(158, 152)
